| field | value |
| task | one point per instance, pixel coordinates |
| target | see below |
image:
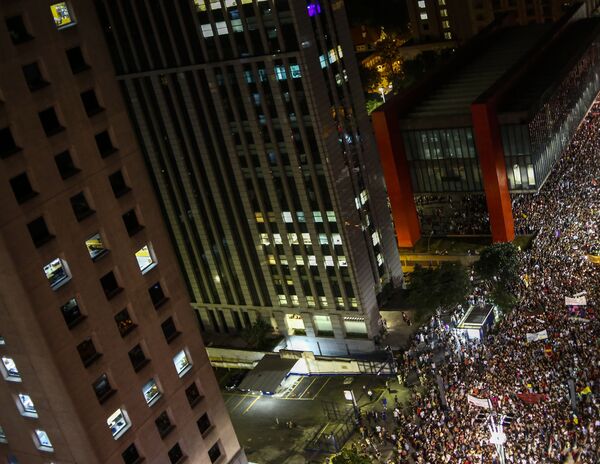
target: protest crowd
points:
(508, 375)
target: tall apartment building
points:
(101, 358)
(459, 20)
(251, 115)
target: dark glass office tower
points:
(252, 119)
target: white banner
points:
(533, 337)
(479, 402)
(577, 301)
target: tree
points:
(350, 456)
(498, 265)
(256, 336)
(442, 287)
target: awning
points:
(268, 374)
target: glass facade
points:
(443, 160)
(517, 153)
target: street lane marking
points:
(294, 387)
(242, 399)
(322, 387)
(308, 388)
(251, 404)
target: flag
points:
(531, 398)
(534, 337)
(479, 402)
(586, 391)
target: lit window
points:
(182, 363)
(264, 239)
(43, 442)
(287, 217)
(379, 259)
(3, 436)
(446, 24)
(277, 239)
(306, 239)
(63, 17)
(118, 423)
(310, 301)
(421, 3)
(423, 15)
(331, 216)
(314, 8)
(328, 261)
(323, 61)
(364, 196)
(442, 2)
(353, 303)
(293, 239)
(95, 246)
(339, 301)
(283, 260)
(2, 341)
(336, 239)
(259, 217)
(323, 301)
(271, 259)
(447, 35)
(9, 370)
(280, 73)
(357, 202)
(145, 258)
(299, 260)
(282, 300)
(323, 239)
(443, 12)
(375, 238)
(317, 216)
(300, 216)
(295, 301)
(312, 260)
(295, 71)
(27, 407)
(151, 392)
(342, 261)
(57, 273)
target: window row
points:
(176, 455)
(64, 162)
(40, 234)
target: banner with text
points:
(534, 337)
(479, 402)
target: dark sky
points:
(389, 13)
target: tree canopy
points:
(350, 456)
(442, 287)
(498, 265)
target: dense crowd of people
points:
(464, 214)
(529, 381)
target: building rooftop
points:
(552, 66)
(453, 96)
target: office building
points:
(488, 125)
(459, 20)
(251, 115)
(101, 357)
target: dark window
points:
(17, 30)
(104, 144)
(65, 165)
(214, 453)
(124, 322)
(117, 182)
(131, 455)
(90, 103)
(71, 313)
(22, 188)
(169, 330)
(50, 122)
(39, 232)
(157, 295)
(204, 424)
(175, 454)
(138, 358)
(80, 206)
(102, 388)
(131, 222)
(7, 143)
(193, 395)
(87, 352)
(164, 425)
(76, 60)
(33, 77)
(110, 285)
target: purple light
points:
(314, 9)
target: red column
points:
(493, 169)
(397, 176)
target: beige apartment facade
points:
(101, 356)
